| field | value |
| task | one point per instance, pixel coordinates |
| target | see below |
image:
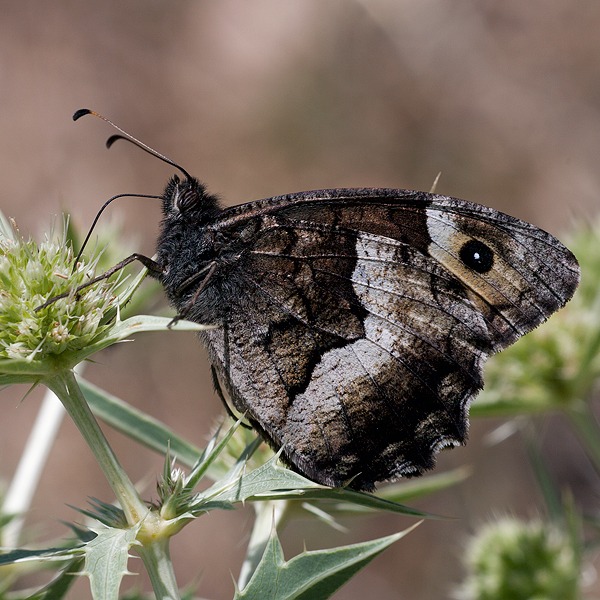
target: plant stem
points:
(64, 385)
(157, 561)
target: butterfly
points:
(352, 325)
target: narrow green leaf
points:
(491, 404)
(138, 425)
(58, 587)
(210, 454)
(402, 491)
(197, 509)
(339, 495)
(136, 324)
(315, 575)
(344, 496)
(47, 554)
(585, 424)
(83, 534)
(125, 296)
(106, 560)
(107, 514)
(152, 323)
(548, 487)
(5, 227)
(232, 476)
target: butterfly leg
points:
(186, 309)
(150, 264)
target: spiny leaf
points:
(315, 575)
(106, 560)
(274, 482)
(264, 479)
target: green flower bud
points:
(514, 560)
(29, 276)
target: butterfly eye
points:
(186, 200)
(477, 256)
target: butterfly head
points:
(188, 201)
(185, 243)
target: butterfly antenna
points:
(87, 237)
(126, 136)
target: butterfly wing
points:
(357, 322)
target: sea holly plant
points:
(43, 341)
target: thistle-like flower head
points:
(36, 342)
(31, 274)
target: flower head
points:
(513, 559)
(37, 338)
(31, 274)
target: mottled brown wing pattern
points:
(354, 333)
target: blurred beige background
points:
(267, 97)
